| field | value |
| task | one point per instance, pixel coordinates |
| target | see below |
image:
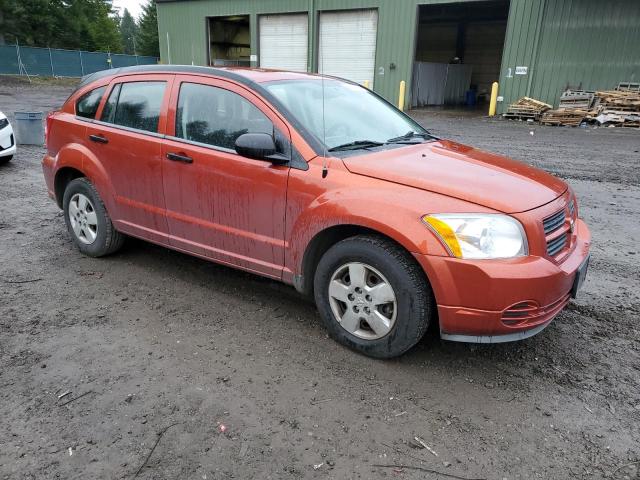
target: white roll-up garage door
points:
(348, 44)
(283, 41)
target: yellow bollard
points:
(494, 99)
(403, 87)
(366, 84)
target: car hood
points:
(463, 172)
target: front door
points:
(220, 204)
(127, 139)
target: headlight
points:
(3, 123)
(468, 235)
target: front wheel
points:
(372, 296)
(6, 159)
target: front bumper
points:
(492, 301)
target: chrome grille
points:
(556, 245)
(554, 222)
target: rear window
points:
(135, 105)
(87, 105)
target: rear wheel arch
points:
(62, 178)
(74, 161)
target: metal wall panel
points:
(182, 25)
(183, 31)
(589, 43)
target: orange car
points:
(319, 183)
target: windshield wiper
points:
(408, 136)
(358, 144)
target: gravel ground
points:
(178, 368)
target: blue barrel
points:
(470, 98)
(29, 128)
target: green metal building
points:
(534, 48)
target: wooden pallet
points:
(526, 109)
(533, 103)
(615, 118)
(564, 117)
(620, 99)
(621, 108)
(577, 99)
(628, 87)
(562, 122)
(521, 116)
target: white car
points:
(7, 140)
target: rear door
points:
(127, 139)
(220, 204)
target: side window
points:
(135, 105)
(109, 109)
(87, 105)
(216, 116)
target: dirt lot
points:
(150, 341)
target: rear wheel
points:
(88, 221)
(372, 296)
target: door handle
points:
(176, 157)
(98, 139)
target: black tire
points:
(6, 159)
(108, 240)
(414, 299)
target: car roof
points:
(247, 76)
(251, 77)
(243, 75)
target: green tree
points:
(128, 33)
(72, 24)
(147, 40)
(31, 22)
(102, 25)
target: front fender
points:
(316, 203)
(356, 207)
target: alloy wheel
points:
(362, 300)
(83, 218)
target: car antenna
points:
(325, 166)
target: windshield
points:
(353, 115)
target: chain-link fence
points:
(54, 62)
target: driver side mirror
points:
(259, 146)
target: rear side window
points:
(87, 105)
(135, 105)
(216, 116)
